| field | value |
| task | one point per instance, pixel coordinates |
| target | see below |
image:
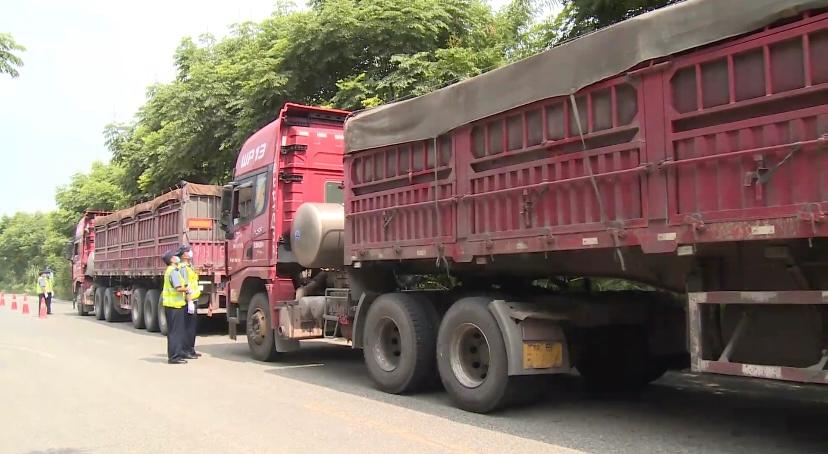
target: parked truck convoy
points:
(461, 234)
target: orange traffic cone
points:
(41, 313)
(25, 310)
(14, 302)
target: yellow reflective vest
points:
(170, 297)
(192, 281)
(44, 282)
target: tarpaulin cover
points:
(565, 69)
(152, 205)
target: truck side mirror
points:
(68, 251)
(226, 219)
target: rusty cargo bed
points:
(720, 144)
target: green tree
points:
(583, 16)
(350, 54)
(344, 53)
(27, 245)
(101, 189)
(9, 61)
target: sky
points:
(87, 64)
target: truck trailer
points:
(119, 272)
(683, 150)
(468, 234)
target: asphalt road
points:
(71, 384)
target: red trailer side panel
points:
(134, 239)
(717, 144)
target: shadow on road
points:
(206, 327)
(684, 412)
(696, 413)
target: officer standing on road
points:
(44, 289)
(190, 276)
(172, 298)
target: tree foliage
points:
(583, 16)
(350, 54)
(31, 242)
(100, 190)
(9, 60)
(28, 244)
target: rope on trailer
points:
(441, 257)
(588, 168)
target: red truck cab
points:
(82, 257)
(295, 159)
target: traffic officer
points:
(190, 276)
(174, 303)
(45, 289)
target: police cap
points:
(168, 256)
(182, 249)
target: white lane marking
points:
(298, 366)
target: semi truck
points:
(469, 236)
(117, 267)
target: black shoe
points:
(190, 356)
(177, 361)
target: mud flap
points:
(535, 341)
(284, 345)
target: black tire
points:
(472, 361)
(399, 343)
(616, 358)
(111, 314)
(260, 334)
(163, 326)
(79, 306)
(151, 304)
(430, 304)
(99, 302)
(137, 304)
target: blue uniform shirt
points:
(182, 270)
(177, 280)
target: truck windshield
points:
(251, 199)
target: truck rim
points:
(387, 350)
(469, 355)
(258, 322)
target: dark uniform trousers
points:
(176, 332)
(44, 297)
(190, 322)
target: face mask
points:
(175, 259)
(190, 255)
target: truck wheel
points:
(163, 326)
(471, 359)
(615, 358)
(260, 329)
(399, 343)
(430, 305)
(151, 303)
(99, 303)
(110, 313)
(79, 302)
(137, 303)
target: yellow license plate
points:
(542, 355)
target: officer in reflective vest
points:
(175, 307)
(44, 290)
(190, 276)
